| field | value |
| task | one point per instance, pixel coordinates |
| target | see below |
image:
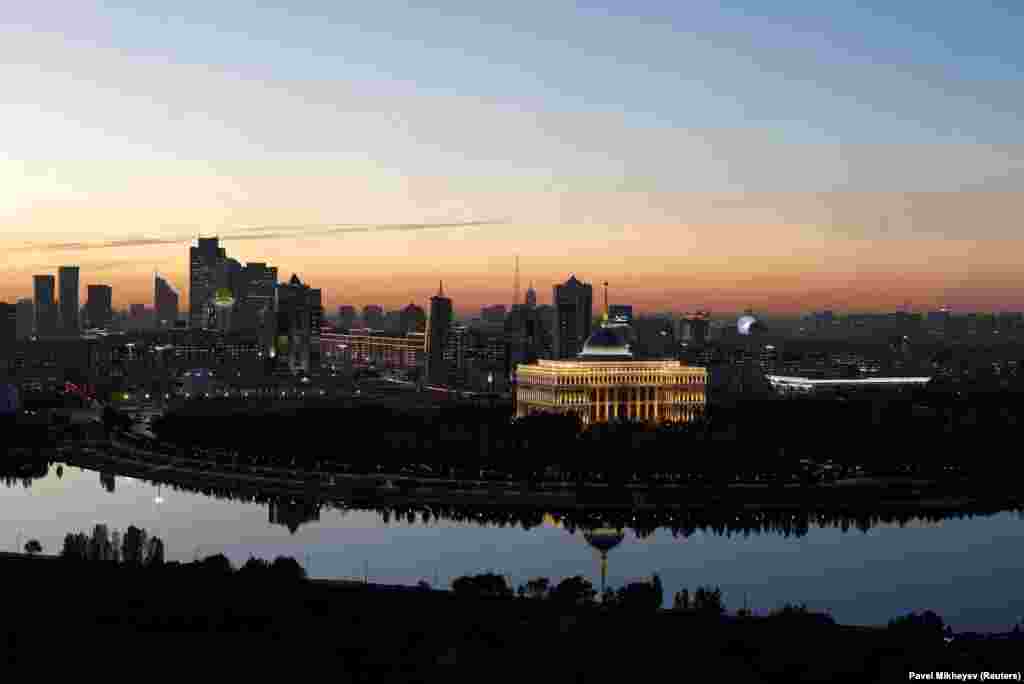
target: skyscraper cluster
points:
(215, 278)
(45, 315)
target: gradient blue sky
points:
(783, 155)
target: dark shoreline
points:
(356, 489)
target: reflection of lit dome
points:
(746, 324)
(604, 539)
(223, 297)
(610, 340)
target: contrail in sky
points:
(254, 233)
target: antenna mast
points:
(606, 299)
(515, 284)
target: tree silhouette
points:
(488, 584)
(154, 552)
(133, 546)
(927, 624)
(637, 597)
(217, 564)
(32, 547)
(537, 588)
(574, 591)
(708, 601)
(286, 569)
(76, 547)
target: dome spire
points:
(606, 300)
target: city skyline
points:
(470, 302)
(707, 157)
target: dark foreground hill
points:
(104, 621)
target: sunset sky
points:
(785, 156)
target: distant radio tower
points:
(515, 284)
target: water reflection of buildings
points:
(292, 514)
(604, 539)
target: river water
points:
(968, 570)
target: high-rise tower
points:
(26, 318)
(573, 302)
(165, 302)
(206, 274)
(68, 276)
(515, 284)
(299, 315)
(99, 305)
(44, 287)
(438, 324)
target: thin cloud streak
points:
(280, 233)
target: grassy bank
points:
(71, 616)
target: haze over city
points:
(695, 155)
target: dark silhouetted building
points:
(296, 345)
(438, 325)
(573, 303)
(8, 324)
(140, 317)
(46, 304)
(531, 297)
(824, 320)
(696, 327)
(346, 316)
(165, 302)
(373, 317)
(393, 322)
(494, 314)
(621, 313)
(413, 319)
(26, 318)
(654, 338)
(206, 274)
(255, 286)
(68, 276)
(99, 306)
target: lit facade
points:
(362, 349)
(794, 385)
(600, 391)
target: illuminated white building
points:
(604, 383)
(788, 384)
